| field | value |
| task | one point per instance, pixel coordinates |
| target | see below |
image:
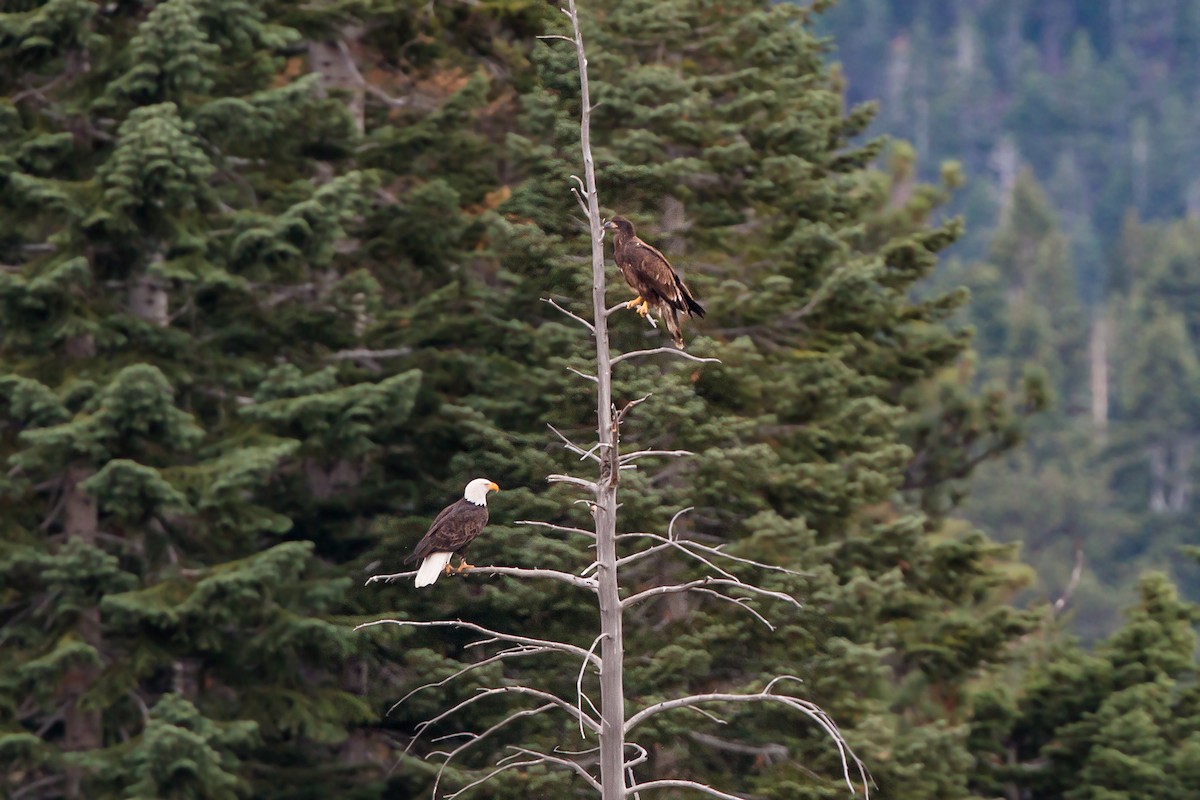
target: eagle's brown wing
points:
(452, 530)
(657, 275)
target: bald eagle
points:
(452, 533)
(649, 273)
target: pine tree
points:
(174, 213)
(1121, 723)
(800, 432)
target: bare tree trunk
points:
(612, 648)
(334, 62)
(1139, 156)
(1158, 478)
(1181, 473)
(148, 297)
(83, 728)
(1098, 352)
(186, 679)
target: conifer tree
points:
(1119, 723)
(173, 213)
(800, 433)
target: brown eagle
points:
(649, 273)
(452, 532)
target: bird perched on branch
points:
(452, 533)
(649, 273)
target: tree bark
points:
(612, 648)
(337, 71)
(1181, 478)
(1099, 358)
(149, 300)
(83, 728)
(1158, 478)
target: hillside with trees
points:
(273, 281)
(1074, 124)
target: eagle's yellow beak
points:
(493, 487)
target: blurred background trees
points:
(1073, 122)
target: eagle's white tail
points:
(431, 568)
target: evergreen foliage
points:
(1119, 723)
(1071, 121)
(270, 279)
(163, 635)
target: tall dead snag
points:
(618, 757)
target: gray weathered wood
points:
(612, 648)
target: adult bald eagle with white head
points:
(452, 533)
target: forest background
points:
(271, 277)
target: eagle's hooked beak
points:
(492, 487)
(610, 225)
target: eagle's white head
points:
(476, 491)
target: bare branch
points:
(668, 544)
(395, 576)
(366, 353)
(515, 572)
(571, 314)
(571, 479)
(632, 404)
(675, 518)
(574, 448)
(769, 753)
(471, 626)
(608, 312)
(553, 527)
(591, 378)
(667, 350)
(591, 453)
(552, 700)
(513, 652)
(740, 602)
(641, 758)
(810, 710)
(579, 695)
(486, 778)
(714, 551)
(627, 457)
(522, 572)
(707, 581)
(536, 759)
(474, 739)
(1076, 574)
(705, 713)
(579, 199)
(348, 58)
(566, 762)
(556, 36)
(682, 784)
(38, 91)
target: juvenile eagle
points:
(649, 273)
(452, 532)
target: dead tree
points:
(617, 756)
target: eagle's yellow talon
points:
(634, 302)
(463, 566)
(644, 308)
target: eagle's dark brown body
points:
(452, 531)
(649, 273)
